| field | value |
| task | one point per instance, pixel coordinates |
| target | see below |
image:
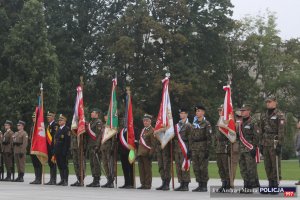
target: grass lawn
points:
(290, 170)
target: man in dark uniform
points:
(108, 158)
(145, 153)
(7, 148)
(94, 130)
(52, 128)
(222, 147)
(37, 166)
(61, 149)
(200, 142)
(126, 166)
(183, 128)
(272, 128)
(249, 140)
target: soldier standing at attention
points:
(249, 140)
(37, 166)
(7, 149)
(183, 130)
(94, 130)
(200, 141)
(272, 127)
(164, 164)
(75, 149)
(145, 153)
(50, 132)
(222, 147)
(61, 149)
(107, 151)
(20, 141)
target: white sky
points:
(287, 13)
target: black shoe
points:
(64, 183)
(20, 178)
(198, 188)
(122, 187)
(8, 177)
(179, 188)
(60, 183)
(162, 185)
(76, 184)
(51, 182)
(128, 187)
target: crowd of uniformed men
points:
(267, 134)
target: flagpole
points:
(42, 105)
(116, 151)
(81, 145)
(172, 163)
(231, 146)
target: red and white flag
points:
(39, 141)
(186, 162)
(164, 128)
(78, 121)
(226, 122)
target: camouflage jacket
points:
(251, 133)
(201, 135)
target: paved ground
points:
(22, 191)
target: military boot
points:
(65, 177)
(17, 179)
(198, 188)
(53, 176)
(166, 186)
(162, 185)
(185, 186)
(179, 188)
(110, 183)
(203, 187)
(35, 174)
(8, 177)
(274, 184)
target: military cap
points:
(50, 114)
(245, 107)
(33, 115)
(20, 122)
(183, 110)
(220, 107)
(96, 110)
(8, 122)
(62, 117)
(270, 98)
(199, 107)
(147, 116)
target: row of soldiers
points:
(265, 135)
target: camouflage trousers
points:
(95, 162)
(223, 166)
(108, 162)
(200, 165)
(164, 162)
(76, 163)
(248, 168)
(183, 176)
(270, 163)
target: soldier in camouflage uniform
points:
(272, 127)
(184, 130)
(222, 147)
(75, 150)
(107, 151)
(94, 130)
(164, 164)
(200, 141)
(1, 158)
(7, 149)
(249, 141)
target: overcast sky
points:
(287, 12)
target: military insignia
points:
(62, 136)
(274, 117)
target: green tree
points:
(31, 60)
